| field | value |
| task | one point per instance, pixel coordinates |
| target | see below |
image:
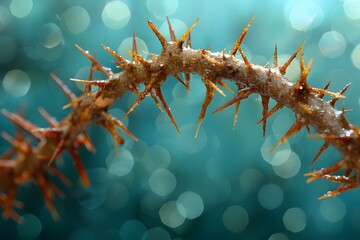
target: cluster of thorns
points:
(25, 162)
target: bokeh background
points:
(224, 184)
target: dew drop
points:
(235, 218)
(192, 204)
(21, 8)
(332, 44)
(50, 35)
(171, 214)
(76, 19)
(116, 14)
(30, 227)
(162, 182)
(294, 219)
(162, 8)
(17, 83)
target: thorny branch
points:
(25, 162)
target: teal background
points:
(241, 195)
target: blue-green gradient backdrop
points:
(224, 184)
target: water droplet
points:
(332, 209)
(156, 157)
(21, 8)
(17, 83)
(284, 150)
(192, 204)
(120, 164)
(50, 35)
(116, 14)
(304, 16)
(235, 218)
(278, 236)
(171, 214)
(276, 193)
(294, 219)
(76, 19)
(30, 227)
(351, 9)
(288, 168)
(355, 56)
(332, 44)
(162, 182)
(162, 8)
(156, 233)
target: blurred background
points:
(225, 184)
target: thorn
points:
(153, 96)
(325, 172)
(265, 105)
(22, 123)
(223, 84)
(57, 173)
(242, 94)
(114, 54)
(179, 79)
(213, 85)
(99, 83)
(187, 33)
(22, 146)
(80, 167)
(122, 127)
(341, 92)
(275, 57)
(161, 38)
(47, 195)
(167, 109)
(338, 191)
(208, 98)
(7, 164)
(288, 62)
(321, 95)
(212, 61)
(71, 96)
(241, 37)
(322, 149)
(72, 103)
(134, 50)
(141, 97)
(306, 108)
(171, 30)
(58, 150)
(247, 63)
(188, 41)
(86, 140)
(87, 88)
(94, 61)
(237, 106)
(50, 119)
(301, 84)
(292, 130)
(139, 58)
(53, 133)
(187, 81)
